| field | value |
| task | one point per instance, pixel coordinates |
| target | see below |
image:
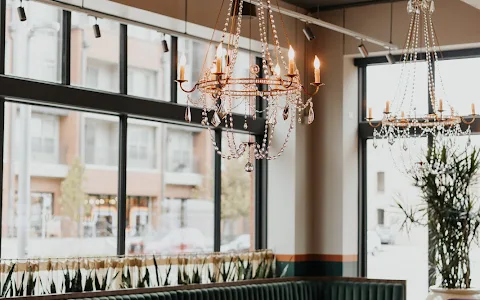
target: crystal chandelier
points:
(400, 118)
(277, 82)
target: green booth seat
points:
(322, 288)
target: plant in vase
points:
(451, 212)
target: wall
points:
(333, 157)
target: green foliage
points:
(157, 275)
(72, 197)
(450, 211)
(7, 285)
(89, 282)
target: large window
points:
(77, 158)
(51, 202)
(393, 252)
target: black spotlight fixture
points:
(248, 9)
(390, 58)
(165, 44)
(308, 33)
(21, 12)
(363, 50)
(96, 29)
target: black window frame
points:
(63, 94)
(365, 132)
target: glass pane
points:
(238, 200)
(386, 83)
(456, 82)
(394, 252)
(34, 46)
(195, 51)
(170, 195)
(95, 61)
(148, 64)
(58, 207)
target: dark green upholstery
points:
(286, 290)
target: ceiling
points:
(313, 5)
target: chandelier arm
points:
(469, 122)
(181, 82)
(289, 83)
(371, 123)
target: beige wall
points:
(333, 167)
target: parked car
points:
(241, 243)
(373, 243)
(386, 234)
(180, 240)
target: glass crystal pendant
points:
(311, 115)
(285, 112)
(216, 120)
(188, 115)
(249, 167)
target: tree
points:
(235, 191)
(72, 198)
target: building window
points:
(101, 142)
(142, 83)
(380, 216)
(141, 147)
(44, 134)
(180, 151)
(101, 76)
(381, 182)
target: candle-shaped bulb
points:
(370, 113)
(219, 57)
(387, 107)
(183, 63)
(403, 115)
(473, 108)
(316, 65)
(291, 61)
(440, 105)
(277, 70)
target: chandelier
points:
(276, 82)
(400, 118)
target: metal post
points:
(217, 195)
(66, 46)
(173, 69)
(362, 177)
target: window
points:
(148, 66)
(34, 45)
(68, 210)
(392, 251)
(382, 86)
(170, 209)
(45, 137)
(380, 182)
(456, 83)
(142, 146)
(95, 61)
(180, 150)
(101, 141)
(142, 83)
(238, 198)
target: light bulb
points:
(277, 70)
(316, 62)
(291, 53)
(183, 61)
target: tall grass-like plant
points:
(450, 211)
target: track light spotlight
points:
(21, 12)
(308, 33)
(165, 44)
(96, 29)
(390, 58)
(363, 50)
